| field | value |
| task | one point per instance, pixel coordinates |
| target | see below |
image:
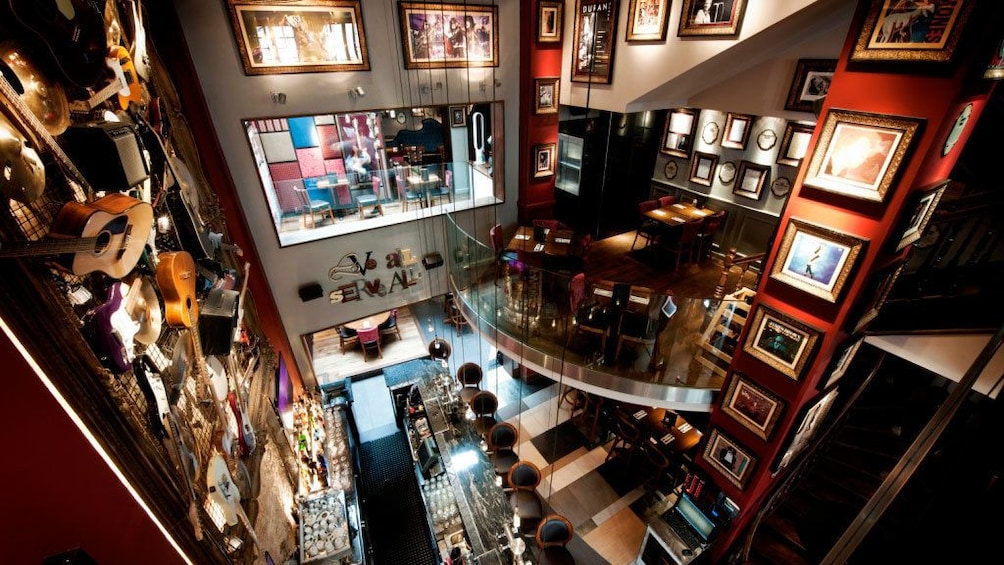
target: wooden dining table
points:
(678, 214)
(368, 322)
(423, 185)
(558, 243)
(673, 435)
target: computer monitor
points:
(698, 520)
(428, 455)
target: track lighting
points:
(356, 92)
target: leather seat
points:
(501, 439)
(469, 376)
(523, 478)
(553, 534)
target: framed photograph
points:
(858, 154)
(812, 416)
(678, 134)
(647, 20)
(810, 83)
(543, 160)
(766, 139)
(912, 31)
(737, 131)
(847, 352)
(729, 458)
(995, 68)
(711, 17)
(549, 21)
(458, 116)
(918, 213)
(304, 36)
(594, 41)
(874, 296)
(815, 259)
(752, 178)
(780, 187)
(441, 36)
(545, 95)
(702, 168)
(752, 406)
(780, 341)
(795, 144)
(727, 172)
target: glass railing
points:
(614, 339)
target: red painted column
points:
(936, 94)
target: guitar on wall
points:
(130, 314)
(106, 235)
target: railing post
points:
(730, 258)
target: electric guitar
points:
(225, 493)
(106, 235)
(137, 48)
(246, 435)
(130, 314)
(133, 92)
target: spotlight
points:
(357, 92)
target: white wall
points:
(233, 96)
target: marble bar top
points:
(484, 507)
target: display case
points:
(569, 163)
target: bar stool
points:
(469, 376)
(484, 403)
(501, 439)
(626, 439)
(524, 477)
(553, 534)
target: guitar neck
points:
(51, 247)
(193, 508)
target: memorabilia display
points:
(812, 416)
(859, 154)
(874, 296)
(594, 41)
(727, 172)
(912, 31)
(816, 259)
(458, 116)
(810, 83)
(710, 133)
(737, 131)
(440, 36)
(670, 169)
(752, 406)
(752, 178)
(549, 21)
(958, 126)
(702, 167)
(545, 99)
(726, 456)
(795, 144)
(647, 20)
(780, 187)
(847, 353)
(303, 36)
(918, 214)
(543, 159)
(781, 341)
(707, 18)
(678, 134)
(766, 139)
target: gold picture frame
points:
(795, 144)
(702, 168)
(281, 38)
(782, 342)
(546, 91)
(550, 19)
(594, 41)
(931, 33)
(729, 458)
(647, 20)
(753, 406)
(722, 18)
(435, 36)
(815, 259)
(543, 160)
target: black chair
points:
(593, 319)
(469, 376)
(648, 229)
(484, 404)
(501, 439)
(553, 534)
(390, 327)
(347, 337)
(636, 328)
(704, 238)
(523, 478)
(627, 437)
(681, 241)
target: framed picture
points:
(874, 296)
(594, 41)
(752, 406)
(545, 97)
(795, 144)
(549, 21)
(780, 187)
(727, 172)
(752, 178)
(858, 154)
(847, 352)
(737, 131)
(815, 259)
(810, 83)
(647, 20)
(543, 160)
(729, 458)
(995, 68)
(441, 36)
(915, 31)
(299, 36)
(458, 116)
(702, 168)
(780, 341)
(678, 134)
(711, 17)
(918, 213)
(812, 416)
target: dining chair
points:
(627, 437)
(484, 403)
(347, 337)
(313, 207)
(403, 194)
(469, 375)
(369, 341)
(681, 241)
(444, 190)
(648, 229)
(390, 326)
(704, 238)
(369, 198)
(637, 328)
(552, 536)
(343, 195)
(501, 439)
(523, 478)
(656, 462)
(665, 201)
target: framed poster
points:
(440, 36)
(594, 41)
(702, 168)
(726, 456)
(795, 143)
(543, 159)
(458, 116)
(549, 21)
(752, 178)
(678, 134)
(810, 83)
(752, 406)
(918, 213)
(647, 20)
(815, 259)
(299, 36)
(858, 154)
(847, 352)
(545, 95)
(895, 30)
(737, 131)
(812, 415)
(780, 341)
(995, 68)
(711, 17)
(874, 296)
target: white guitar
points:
(225, 493)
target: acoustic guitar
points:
(106, 235)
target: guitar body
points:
(176, 274)
(114, 344)
(185, 215)
(23, 174)
(119, 224)
(134, 91)
(73, 31)
(140, 56)
(246, 437)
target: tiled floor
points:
(577, 479)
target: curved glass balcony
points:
(616, 340)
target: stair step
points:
(861, 458)
(871, 470)
(767, 550)
(784, 529)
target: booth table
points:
(557, 243)
(678, 214)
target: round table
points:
(368, 322)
